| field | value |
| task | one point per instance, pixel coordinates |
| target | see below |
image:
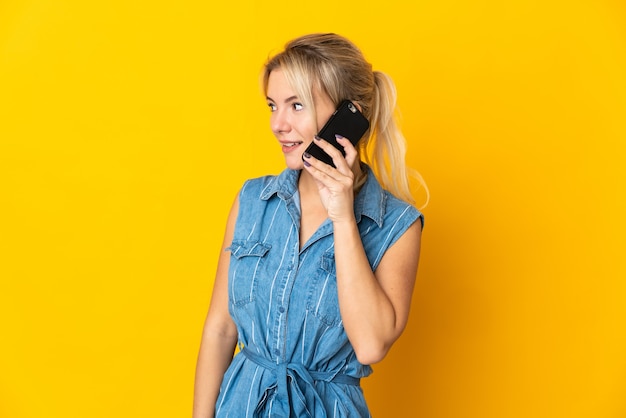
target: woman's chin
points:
(294, 163)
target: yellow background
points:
(126, 128)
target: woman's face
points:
(293, 125)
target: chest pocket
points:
(247, 259)
(322, 300)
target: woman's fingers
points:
(342, 163)
(351, 153)
(335, 185)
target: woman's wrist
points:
(346, 223)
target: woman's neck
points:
(306, 183)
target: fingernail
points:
(306, 163)
(317, 137)
(338, 136)
(306, 155)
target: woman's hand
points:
(335, 185)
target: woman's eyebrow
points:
(287, 100)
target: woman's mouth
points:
(290, 146)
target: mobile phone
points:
(346, 121)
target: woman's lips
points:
(290, 146)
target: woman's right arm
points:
(219, 336)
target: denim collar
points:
(370, 201)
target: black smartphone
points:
(346, 121)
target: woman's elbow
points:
(371, 352)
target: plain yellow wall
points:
(126, 128)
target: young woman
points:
(318, 264)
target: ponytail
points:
(385, 150)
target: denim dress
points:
(294, 358)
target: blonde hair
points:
(335, 66)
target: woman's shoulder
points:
(399, 212)
(384, 207)
(392, 220)
(265, 186)
(257, 183)
(395, 206)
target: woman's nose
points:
(279, 122)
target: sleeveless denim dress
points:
(294, 357)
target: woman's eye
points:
(298, 106)
(272, 106)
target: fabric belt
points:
(295, 382)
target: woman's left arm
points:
(374, 306)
